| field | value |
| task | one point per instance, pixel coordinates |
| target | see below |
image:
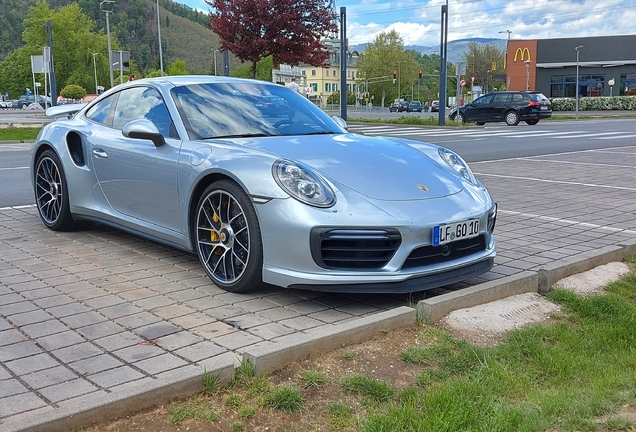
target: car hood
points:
(379, 168)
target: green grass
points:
(364, 386)
(285, 398)
(19, 134)
(561, 377)
(312, 378)
(199, 408)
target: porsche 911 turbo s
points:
(283, 197)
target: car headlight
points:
(458, 164)
(303, 184)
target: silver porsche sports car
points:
(264, 187)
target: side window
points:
(500, 98)
(143, 102)
(484, 100)
(100, 111)
(518, 97)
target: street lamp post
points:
(506, 58)
(159, 35)
(527, 75)
(95, 70)
(611, 83)
(399, 75)
(107, 7)
(214, 51)
(576, 103)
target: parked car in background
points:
(5, 102)
(393, 107)
(25, 100)
(403, 106)
(415, 106)
(435, 106)
(506, 106)
(195, 163)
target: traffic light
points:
(394, 76)
(420, 74)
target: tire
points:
(462, 118)
(228, 237)
(512, 118)
(532, 122)
(480, 123)
(24, 106)
(51, 193)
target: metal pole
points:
(95, 69)
(49, 39)
(506, 58)
(527, 75)
(110, 60)
(121, 68)
(442, 72)
(214, 51)
(576, 103)
(159, 34)
(343, 63)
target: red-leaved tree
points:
(288, 30)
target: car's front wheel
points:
(462, 118)
(532, 122)
(228, 237)
(51, 193)
(512, 118)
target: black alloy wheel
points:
(228, 237)
(51, 193)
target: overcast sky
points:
(418, 22)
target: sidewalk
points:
(97, 324)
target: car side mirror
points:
(143, 129)
(340, 122)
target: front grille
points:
(428, 255)
(354, 248)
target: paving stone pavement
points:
(89, 314)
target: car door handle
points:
(99, 153)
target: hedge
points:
(600, 103)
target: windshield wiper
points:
(321, 133)
(247, 135)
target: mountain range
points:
(455, 49)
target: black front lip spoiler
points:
(415, 284)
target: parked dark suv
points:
(505, 106)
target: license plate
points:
(544, 108)
(443, 234)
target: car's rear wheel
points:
(51, 193)
(512, 118)
(228, 237)
(532, 122)
(480, 123)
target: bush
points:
(601, 103)
(73, 91)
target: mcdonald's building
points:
(607, 66)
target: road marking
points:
(557, 181)
(590, 135)
(14, 168)
(567, 221)
(17, 207)
(616, 137)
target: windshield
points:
(228, 110)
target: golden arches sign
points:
(521, 52)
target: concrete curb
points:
(433, 309)
(276, 355)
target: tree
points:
(480, 60)
(263, 70)
(288, 30)
(178, 67)
(381, 58)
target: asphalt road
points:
(491, 142)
